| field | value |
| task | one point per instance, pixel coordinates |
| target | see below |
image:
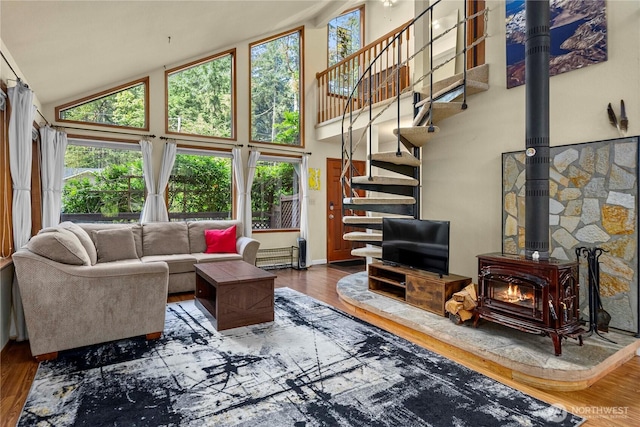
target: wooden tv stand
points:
(420, 288)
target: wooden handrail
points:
(337, 83)
(364, 49)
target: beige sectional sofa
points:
(83, 284)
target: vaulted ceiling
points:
(65, 48)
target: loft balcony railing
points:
(336, 84)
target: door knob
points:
(330, 216)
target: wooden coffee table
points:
(234, 293)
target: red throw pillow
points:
(221, 241)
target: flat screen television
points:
(416, 243)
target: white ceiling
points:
(65, 48)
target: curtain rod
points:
(9, 64)
(280, 149)
(20, 80)
(166, 138)
(103, 130)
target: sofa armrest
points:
(248, 248)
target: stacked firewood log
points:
(462, 304)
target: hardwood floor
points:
(612, 401)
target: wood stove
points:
(533, 293)
(539, 297)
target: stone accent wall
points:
(593, 202)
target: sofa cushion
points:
(202, 257)
(197, 242)
(135, 228)
(221, 241)
(115, 245)
(165, 238)
(61, 246)
(180, 263)
(84, 238)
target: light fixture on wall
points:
(388, 3)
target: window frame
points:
(6, 187)
(284, 158)
(301, 87)
(212, 152)
(234, 115)
(111, 91)
(362, 29)
(110, 143)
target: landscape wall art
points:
(578, 36)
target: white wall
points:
(462, 166)
(381, 19)
(7, 76)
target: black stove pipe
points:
(537, 47)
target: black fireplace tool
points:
(599, 318)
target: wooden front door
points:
(337, 248)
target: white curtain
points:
(241, 190)
(53, 145)
(168, 159)
(148, 210)
(20, 152)
(155, 208)
(248, 213)
(303, 173)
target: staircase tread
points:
(472, 88)
(364, 252)
(477, 79)
(379, 200)
(365, 219)
(417, 135)
(388, 180)
(405, 158)
(441, 111)
(361, 219)
(363, 236)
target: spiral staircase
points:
(391, 186)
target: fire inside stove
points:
(514, 294)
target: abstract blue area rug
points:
(312, 366)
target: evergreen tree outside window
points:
(276, 89)
(102, 182)
(125, 106)
(200, 186)
(201, 97)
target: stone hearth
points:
(593, 202)
(529, 358)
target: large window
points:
(276, 89)
(200, 186)
(275, 200)
(124, 106)
(345, 35)
(200, 97)
(102, 182)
